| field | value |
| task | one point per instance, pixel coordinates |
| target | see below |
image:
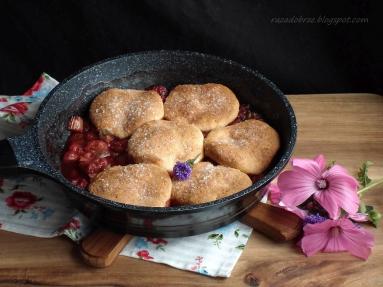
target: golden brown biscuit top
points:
(208, 183)
(207, 106)
(166, 142)
(137, 184)
(119, 112)
(248, 146)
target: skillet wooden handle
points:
(276, 223)
(101, 247)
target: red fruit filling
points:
(245, 113)
(161, 90)
(76, 124)
(87, 153)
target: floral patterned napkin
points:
(16, 112)
(37, 206)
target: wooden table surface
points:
(347, 128)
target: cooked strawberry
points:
(118, 145)
(161, 90)
(76, 124)
(96, 166)
(70, 156)
(97, 147)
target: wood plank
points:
(344, 127)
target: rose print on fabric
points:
(20, 201)
(21, 109)
(150, 242)
(16, 109)
(144, 254)
(197, 267)
(72, 229)
(73, 224)
(36, 86)
(159, 242)
(13, 111)
(42, 87)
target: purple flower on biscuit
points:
(182, 170)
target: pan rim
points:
(256, 187)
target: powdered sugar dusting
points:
(207, 106)
(119, 112)
(139, 184)
(165, 142)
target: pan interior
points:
(138, 71)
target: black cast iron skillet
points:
(40, 148)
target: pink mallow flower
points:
(336, 235)
(358, 217)
(332, 188)
(274, 195)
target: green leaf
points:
(362, 207)
(245, 235)
(217, 238)
(373, 215)
(236, 232)
(363, 178)
(213, 235)
(160, 247)
(241, 246)
(369, 208)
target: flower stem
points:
(371, 185)
(192, 161)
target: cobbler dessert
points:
(154, 148)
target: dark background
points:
(59, 37)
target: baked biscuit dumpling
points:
(248, 146)
(165, 142)
(136, 184)
(119, 112)
(207, 106)
(207, 183)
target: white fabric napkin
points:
(36, 206)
